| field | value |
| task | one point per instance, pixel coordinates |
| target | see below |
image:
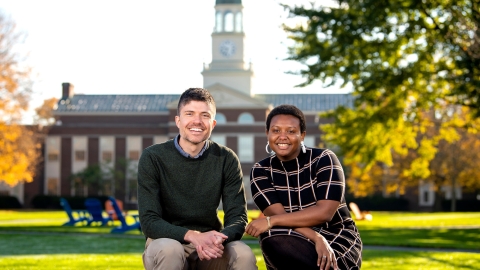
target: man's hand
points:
(208, 244)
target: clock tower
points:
(228, 66)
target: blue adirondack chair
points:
(95, 212)
(123, 219)
(74, 216)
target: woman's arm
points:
(320, 213)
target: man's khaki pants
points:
(169, 254)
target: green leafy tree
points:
(106, 178)
(408, 64)
(91, 177)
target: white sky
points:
(145, 46)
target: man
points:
(180, 184)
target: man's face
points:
(195, 122)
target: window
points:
(246, 118)
(53, 156)
(79, 155)
(229, 21)
(219, 139)
(238, 22)
(309, 141)
(132, 191)
(134, 155)
(107, 156)
(426, 197)
(245, 148)
(52, 186)
(218, 22)
(426, 194)
(221, 119)
(248, 191)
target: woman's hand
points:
(326, 256)
(258, 226)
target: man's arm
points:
(233, 199)
(149, 206)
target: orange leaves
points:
(19, 154)
(19, 145)
(15, 82)
(44, 113)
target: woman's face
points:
(284, 136)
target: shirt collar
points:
(185, 154)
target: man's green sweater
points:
(177, 194)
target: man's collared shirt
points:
(185, 154)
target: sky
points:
(145, 46)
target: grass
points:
(433, 230)
(35, 240)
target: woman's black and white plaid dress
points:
(312, 176)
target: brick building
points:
(113, 129)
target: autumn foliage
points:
(414, 71)
(19, 145)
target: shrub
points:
(46, 202)
(53, 201)
(9, 202)
(471, 205)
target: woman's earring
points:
(303, 147)
(270, 152)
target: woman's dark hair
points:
(288, 110)
(196, 94)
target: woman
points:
(301, 192)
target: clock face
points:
(227, 48)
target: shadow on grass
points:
(398, 259)
(30, 244)
(438, 238)
(66, 229)
(75, 242)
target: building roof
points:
(116, 103)
(158, 103)
(310, 102)
(228, 2)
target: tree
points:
(19, 145)
(406, 61)
(456, 165)
(44, 113)
(106, 178)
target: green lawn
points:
(437, 230)
(35, 240)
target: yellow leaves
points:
(15, 90)
(44, 113)
(19, 147)
(19, 154)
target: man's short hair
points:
(288, 110)
(196, 94)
